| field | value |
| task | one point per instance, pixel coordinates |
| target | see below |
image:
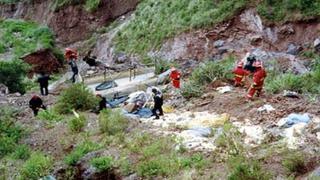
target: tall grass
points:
(156, 20)
(286, 10)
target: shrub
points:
(162, 66)
(112, 122)
(245, 170)
(21, 152)
(37, 166)
(76, 97)
(92, 5)
(81, 150)
(294, 163)
(102, 163)
(9, 130)
(286, 81)
(12, 75)
(77, 124)
(49, 115)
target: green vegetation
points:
(9, 1)
(294, 163)
(77, 124)
(305, 83)
(37, 166)
(81, 150)
(77, 97)
(24, 37)
(156, 20)
(10, 132)
(162, 65)
(205, 74)
(89, 5)
(102, 163)
(286, 10)
(49, 115)
(12, 75)
(243, 169)
(112, 122)
(21, 152)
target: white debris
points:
(266, 107)
(254, 134)
(293, 135)
(224, 89)
(318, 136)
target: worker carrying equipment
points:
(35, 104)
(175, 77)
(258, 80)
(240, 74)
(249, 64)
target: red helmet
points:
(257, 64)
(240, 64)
(70, 53)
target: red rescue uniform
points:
(240, 74)
(258, 80)
(175, 78)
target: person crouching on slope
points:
(240, 74)
(35, 104)
(258, 80)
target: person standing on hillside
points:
(43, 80)
(258, 80)
(36, 104)
(71, 56)
(158, 102)
(239, 74)
(175, 77)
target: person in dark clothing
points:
(43, 80)
(158, 102)
(35, 104)
(102, 102)
(249, 65)
(74, 69)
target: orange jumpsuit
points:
(175, 78)
(258, 80)
(239, 73)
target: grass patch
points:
(10, 132)
(102, 163)
(76, 124)
(77, 97)
(288, 10)
(49, 115)
(92, 5)
(21, 152)
(157, 20)
(37, 166)
(206, 73)
(81, 150)
(112, 122)
(294, 163)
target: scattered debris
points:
(266, 107)
(218, 43)
(290, 94)
(293, 49)
(3, 89)
(316, 44)
(224, 89)
(293, 119)
(254, 134)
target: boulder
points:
(255, 39)
(222, 50)
(121, 58)
(3, 89)
(218, 44)
(316, 44)
(293, 49)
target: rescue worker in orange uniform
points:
(239, 74)
(175, 77)
(258, 79)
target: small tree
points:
(12, 75)
(76, 97)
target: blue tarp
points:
(144, 112)
(200, 131)
(295, 119)
(115, 102)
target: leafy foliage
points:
(9, 130)
(37, 166)
(21, 152)
(102, 163)
(284, 10)
(112, 122)
(76, 97)
(12, 75)
(49, 115)
(92, 5)
(81, 150)
(294, 163)
(156, 20)
(77, 124)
